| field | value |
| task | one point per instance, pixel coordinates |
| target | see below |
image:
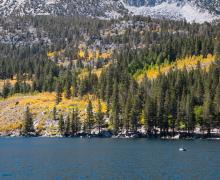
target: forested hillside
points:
(134, 74)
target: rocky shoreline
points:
(109, 134)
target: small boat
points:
(182, 148)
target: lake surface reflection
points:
(74, 158)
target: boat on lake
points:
(182, 148)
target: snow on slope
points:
(173, 11)
(191, 14)
(191, 10)
(48, 2)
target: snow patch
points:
(173, 10)
(49, 2)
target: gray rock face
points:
(207, 10)
(95, 8)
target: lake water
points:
(123, 159)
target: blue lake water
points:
(74, 158)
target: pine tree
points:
(58, 93)
(108, 93)
(61, 125)
(108, 107)
(27, 126)
(178, 114)
(75, 122)
(75, 85)
(68, 84)
(200, 91)
(72, 123)
(182, 110)
(149, 114)
(67, 126)
(173, 110)
(115, 108)
(68, 91)
(81, 88)
(54, 113)
(166, 112)
(126, 114)
(6, 89)
(90, 117)
(99, 117)
(160, 110)
(102, 85)
(17, 87)
(207, 111)
(217, 104)
(135, 113)
(189, 113)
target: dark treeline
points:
(179, 101)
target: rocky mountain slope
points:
(191, 10)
